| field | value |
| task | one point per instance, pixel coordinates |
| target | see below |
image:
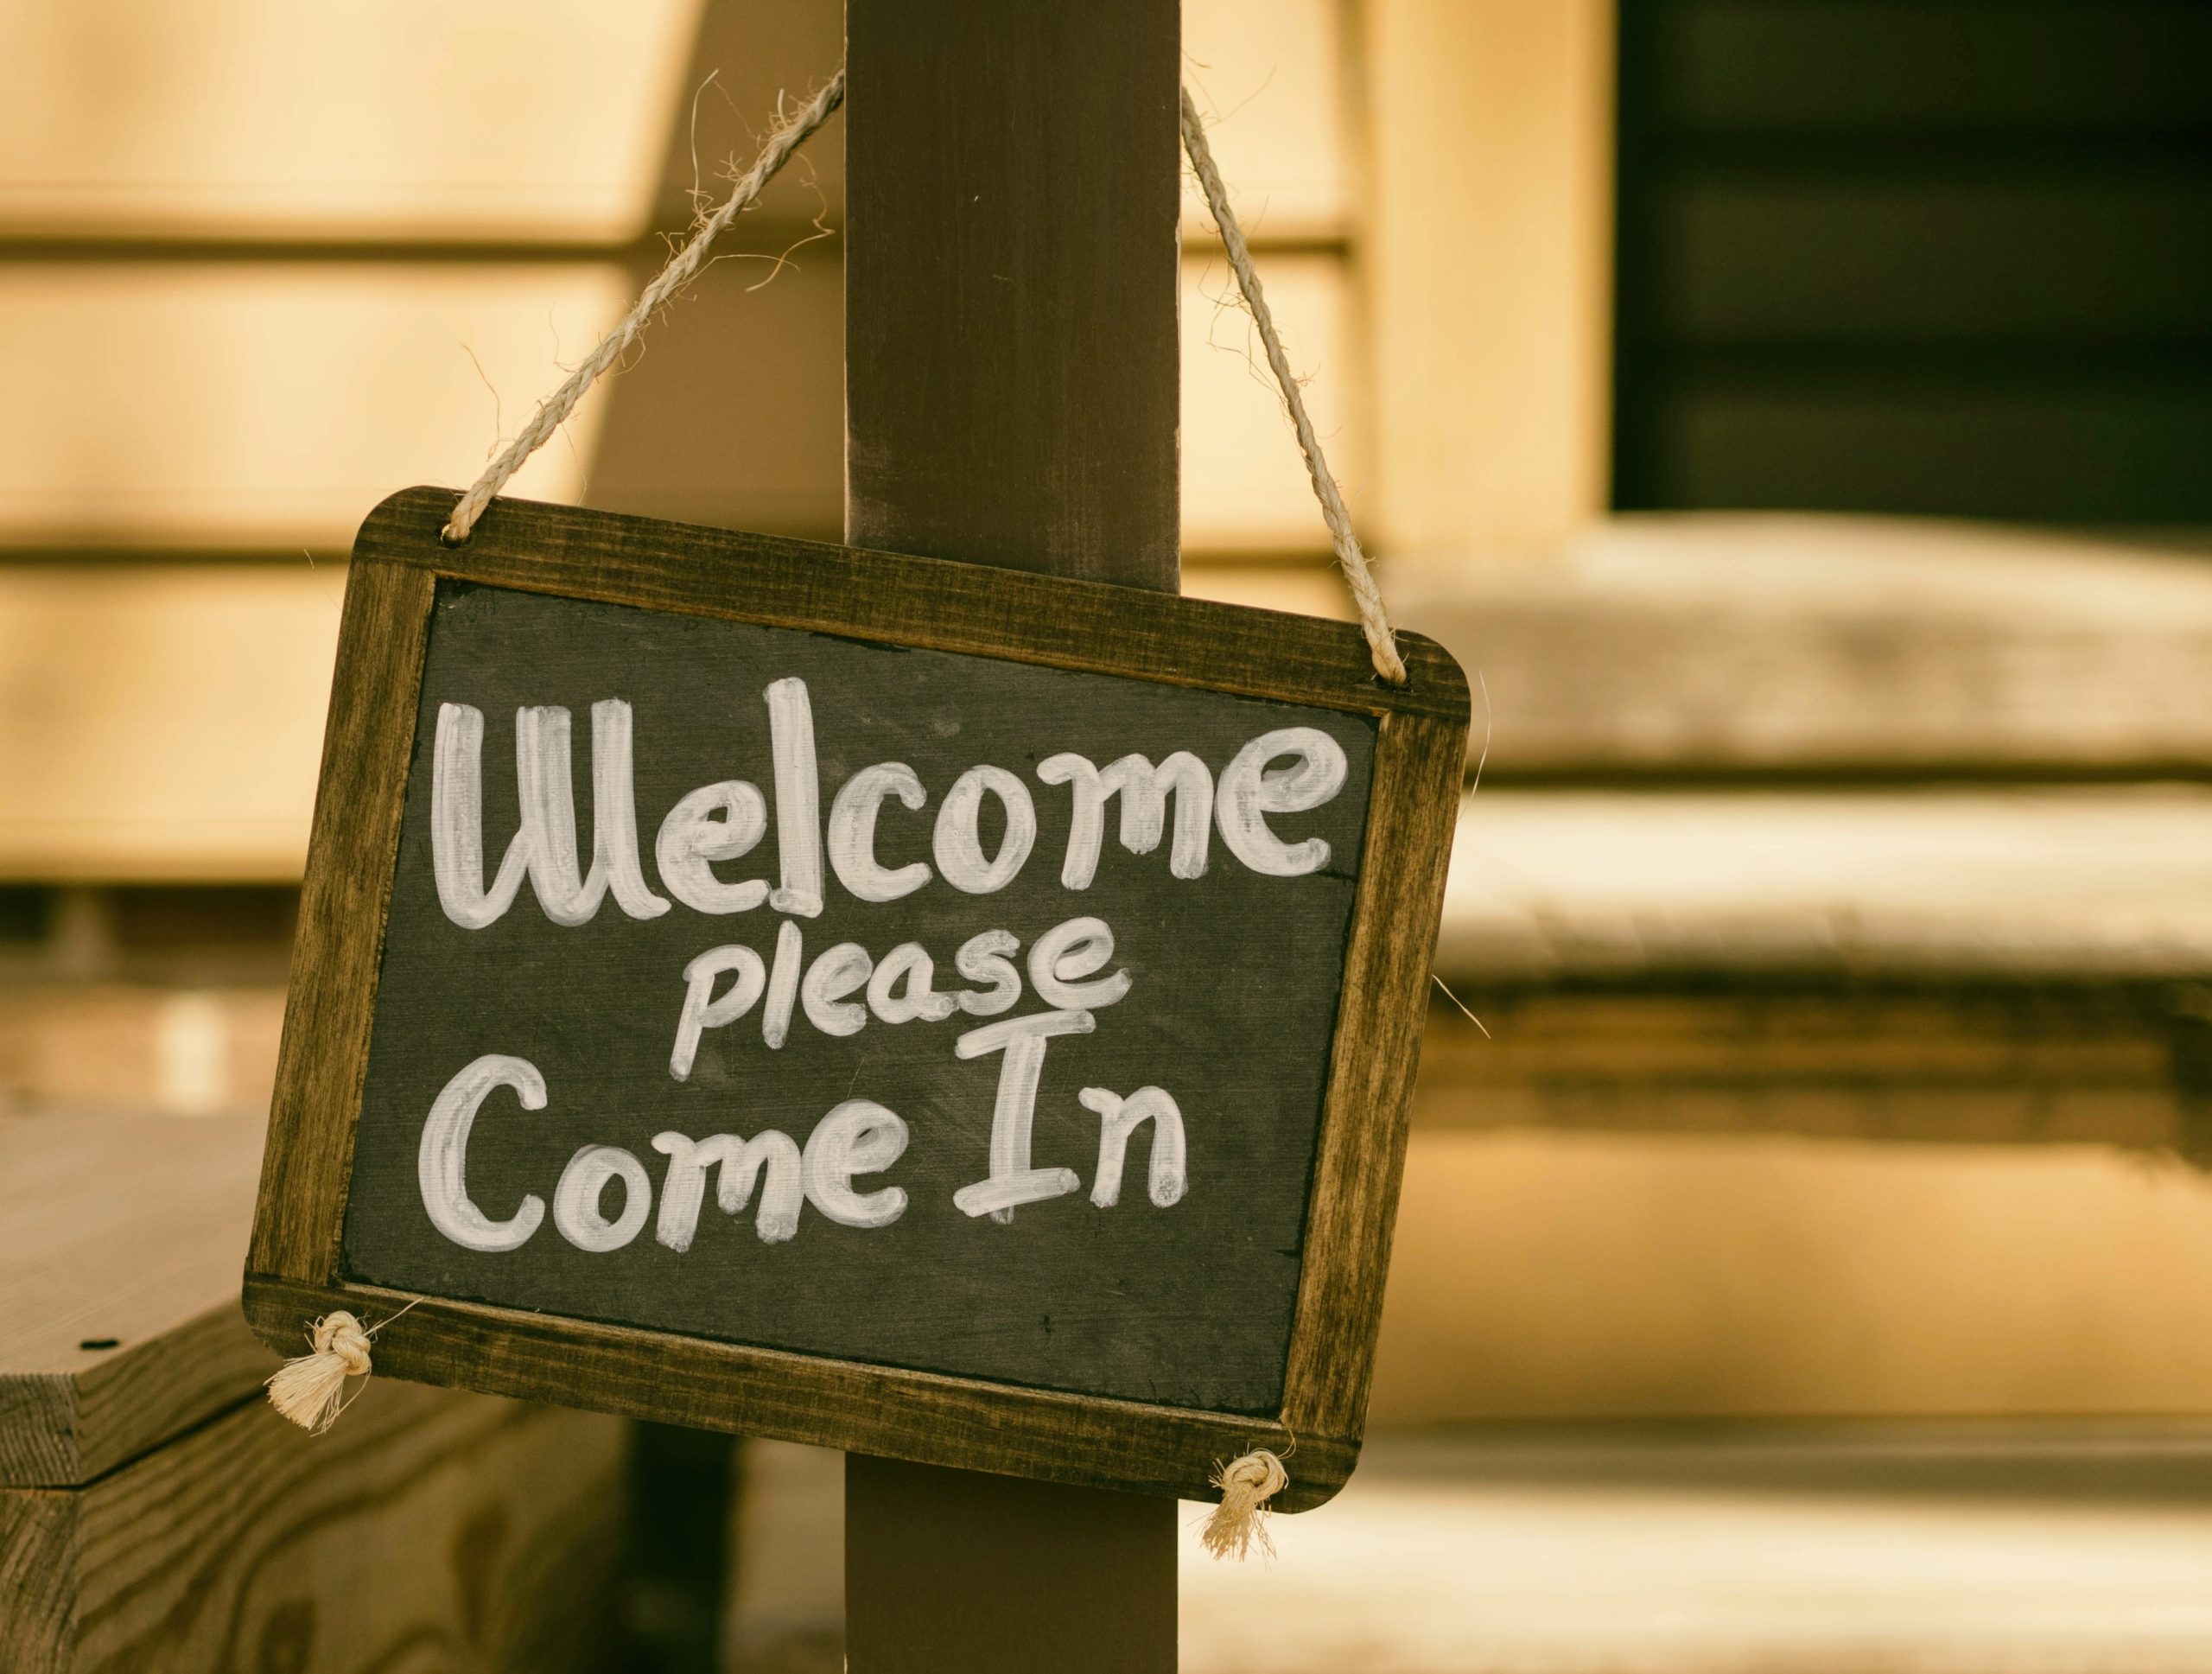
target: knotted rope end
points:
(310, 1389)
(1239, 1522)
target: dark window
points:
(1898, 256)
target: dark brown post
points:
(1011, 398)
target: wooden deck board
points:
(129, 1230)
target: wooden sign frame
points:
(293, 1271)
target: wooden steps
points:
(156, 1512)
(1927, 1550)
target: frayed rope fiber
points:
(1374, 618)
(309, 1389)
(791, 130)
(1239, 1522)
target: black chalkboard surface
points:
(1219, 990)
(953, 1012)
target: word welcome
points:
(725, 821)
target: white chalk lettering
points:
(985, 958)
(1061, 957)
(908, 962)
(1249, 794)
(957, 844)
(1143, 789)
(1012, 1182)
(835, 973)
(857, 1137)
(1118, 1118)
(544, 845)
(798, 799)
(441, 1161)
(457, 824)
(701, 1012)
(716, 822)
(770, 1158)
(852, 833)
(576, 1212)
(615, 811)
(783, 985)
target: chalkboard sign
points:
(895, 1004)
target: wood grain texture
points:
(920, 1541)
(920, 1416)
(38, 1559)
(430, 1529)
(124, 1232)
(896, 599)
(339, 936)
(1362, 1149)
(1012, 396)
(1010, 284)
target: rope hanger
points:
(309, 1389)
(1374, 621)
(790, 130)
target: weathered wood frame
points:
(293, 1270)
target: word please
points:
(900, 986)
(725, 821)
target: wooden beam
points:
(958, 1569)
(1011, 385)
(1011, 396)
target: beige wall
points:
(1553, 1275)
(1487, 249)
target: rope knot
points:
(341, 1335)
(310, 1389)
(1240, 1521)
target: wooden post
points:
(1011, 398)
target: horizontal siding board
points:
(268, 406)
(1832, 650)
(2082, 885)
(1269, 76)
(162, 721)
(1245, 483)
(226, 118)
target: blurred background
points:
(1799, 411)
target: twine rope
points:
(790, 130)
(1374, 618)
(1239, 1522)
(793, 129)
(310, 1389)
